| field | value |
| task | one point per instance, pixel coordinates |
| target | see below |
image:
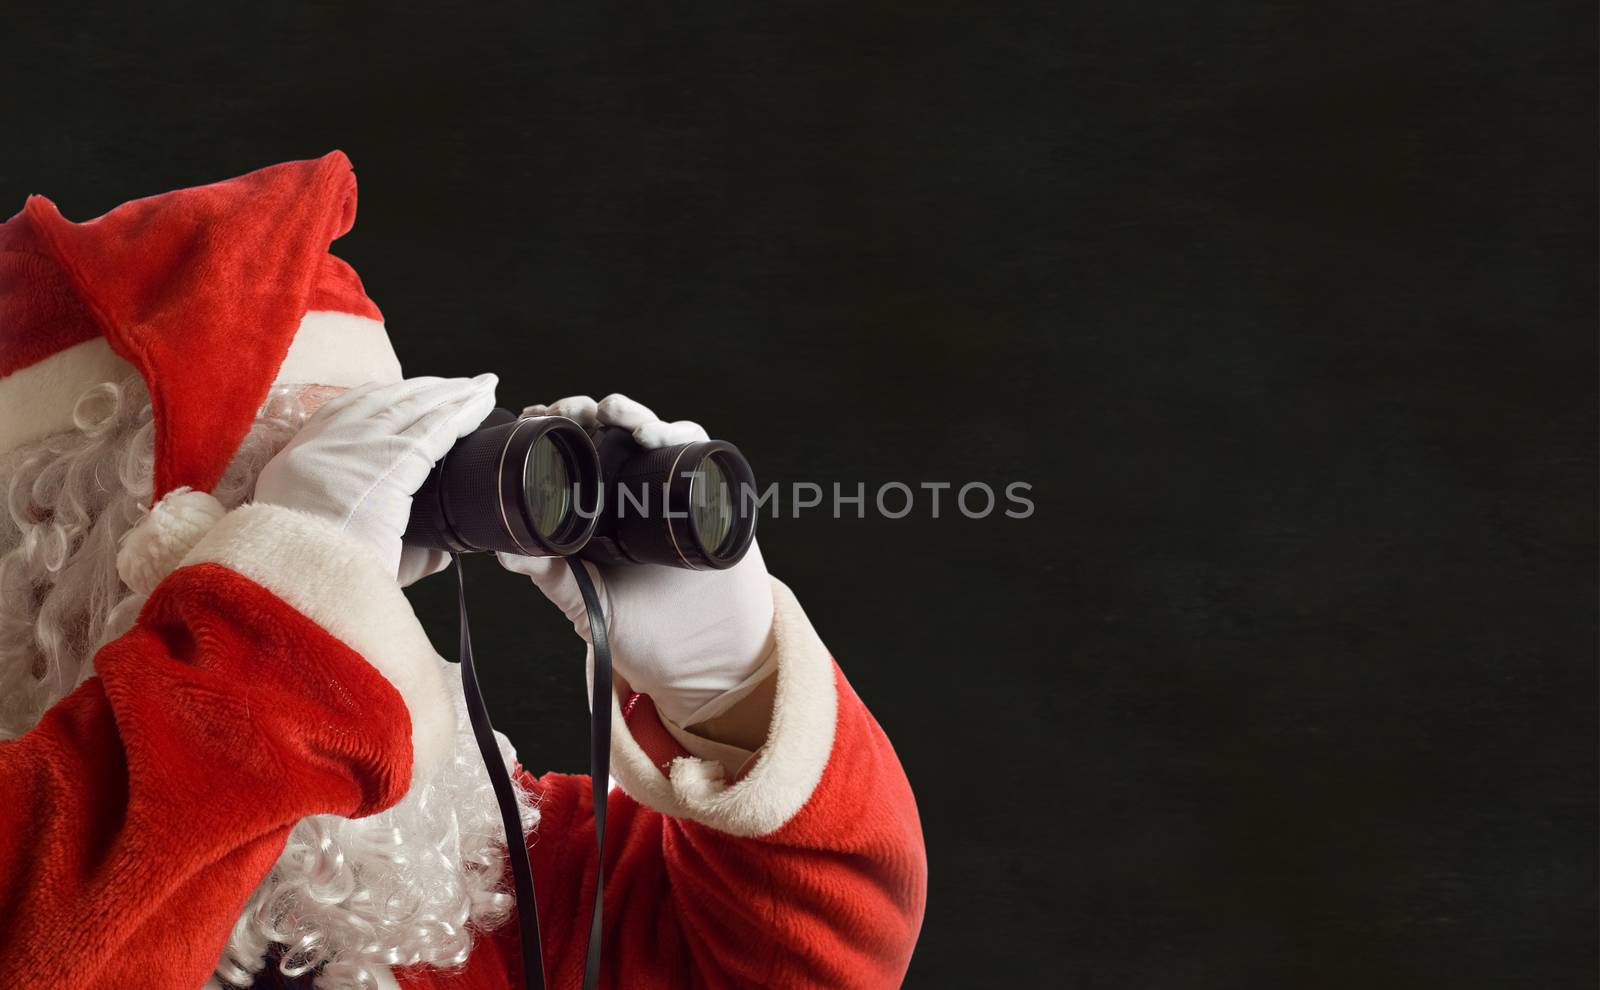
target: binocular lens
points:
(543, 486)
(547, 487)
(711, 505)
(524, 486)
(680, 506)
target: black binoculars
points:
(543, 486)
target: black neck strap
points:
(533, 973)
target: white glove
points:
(360, 458)
(694, 641)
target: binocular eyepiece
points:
(542, 486)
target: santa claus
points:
(230, 756)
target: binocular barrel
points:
(543, 486)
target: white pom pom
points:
(697, 779)
(153, 549)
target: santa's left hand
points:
(694, 641)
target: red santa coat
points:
(277, 673)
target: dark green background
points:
(1287, 311)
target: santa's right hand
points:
(359, 459)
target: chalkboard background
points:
(1285, 311)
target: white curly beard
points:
(403, 887)
(347, 898)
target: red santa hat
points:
(212, 293)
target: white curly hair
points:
(408, 886)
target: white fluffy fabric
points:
(783, 776)
(341, 349)
(348, 898)
(329, 348)
(153, 547)
(37, 401)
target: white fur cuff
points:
(787, 769)
(339, 584)
(153, 547)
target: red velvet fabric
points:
(148, 804)
(833, 899)
(200, 289)
(41, 312)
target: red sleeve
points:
(147, 805)
(806, 872)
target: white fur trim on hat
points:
(338, 583)
(343, 349)
(38, 400)
(786, 770)
(330, 348)
(153, 547)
